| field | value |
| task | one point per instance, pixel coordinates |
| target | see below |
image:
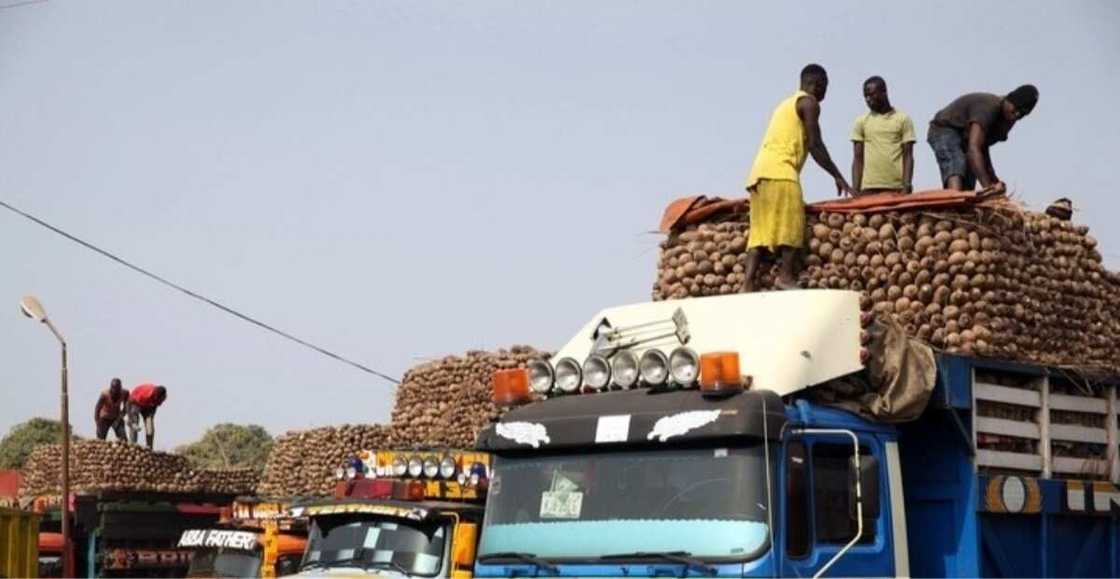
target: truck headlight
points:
(431, 468)
(541, 376)
(568, 375)
(624, 369)
(684, 365)
(596, 372)
(447, 467)
(415, 467)
(400, 467)
(654, 367)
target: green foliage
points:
(230, 445)
(24, 437)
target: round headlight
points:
(340, 473)
(431, 468)
(684, 365)
(568, 375)
(474, 479)
(351, 472)
(624, 369)
(596, 372)
(462, 478)
(447, 467)
(541, 376)
(654, 367)
(415, 467)
(400, 467)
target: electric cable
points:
(200, 297)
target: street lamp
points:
(34, 310)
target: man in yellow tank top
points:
(777, 209)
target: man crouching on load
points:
(777, 210)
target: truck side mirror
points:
(463, 544)
(868, 474)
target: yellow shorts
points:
(777, 215)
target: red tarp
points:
(699, 208)
(10, 481)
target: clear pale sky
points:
(397, 181)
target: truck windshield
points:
(224, 563)
(383, 545)
(710, 502)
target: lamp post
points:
(34, 310)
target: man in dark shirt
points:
(961, 133)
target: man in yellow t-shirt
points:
(884, 144)
(777, 209)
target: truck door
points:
(819, 513)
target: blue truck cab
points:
(689, 442)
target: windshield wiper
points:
(683, 557)
(391, 564)
(523, 557)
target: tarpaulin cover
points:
(700, 208)
(900, 377)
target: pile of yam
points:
(100, 466)
(304, 463)
(991, 280)
(446, 402)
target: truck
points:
(125, 533)
(255, 537)
(399, 513)
(703, 437)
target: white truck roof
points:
(786, 340)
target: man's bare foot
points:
(786, 284)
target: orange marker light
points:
(719, 372)
(510, 387)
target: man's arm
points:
(907, 167)
(97, 407)
(977, 155)
(988, 164)
(810, 112)
(857, 165)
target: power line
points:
(18, 4)
(198, 296)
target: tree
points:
(230, 445)
(24, 437)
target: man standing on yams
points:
(108, 413)
(883, 144)
(777, 209)
(142, 403)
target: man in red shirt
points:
(109, 411)
(142, 402)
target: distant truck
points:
(253, 538)
(682, 438)
(399, 513)
(126, 534)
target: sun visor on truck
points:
(636, 417)
(786, 340)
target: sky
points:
(398, 181)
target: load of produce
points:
(99, 466)
(444, 403)
(982, 277)
(304, 463)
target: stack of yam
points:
(102, 466)
(985, 278)
(446, 402)
(305, 463)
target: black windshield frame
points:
(205, 562)
(751, 492)
(397, 532)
